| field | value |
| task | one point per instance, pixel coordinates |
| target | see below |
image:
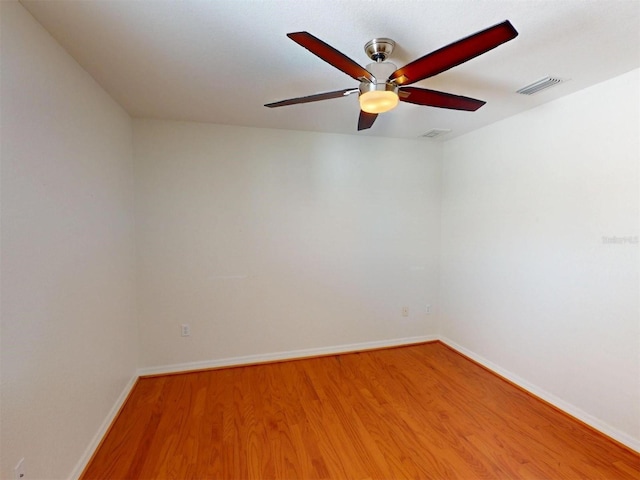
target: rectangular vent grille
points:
(541, 84)
(436, 132)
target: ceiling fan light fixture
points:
(378, 101)
(378, 97)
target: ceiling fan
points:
(382, 85)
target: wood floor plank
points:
(413, 412)
(136, 423)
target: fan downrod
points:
(379, 49)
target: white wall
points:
(69, 343)
(527, 282)
(270, 241)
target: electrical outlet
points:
(428, 310)
(405, 311)
(18, 471)
(185, 330)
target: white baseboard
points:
(566, 407)
(102, 431)
(277, 356)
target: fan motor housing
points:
(381, 71)
(382, 87)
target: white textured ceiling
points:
(219, 61)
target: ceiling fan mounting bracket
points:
(379, 49)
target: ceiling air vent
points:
(436, 132)
(541, 84)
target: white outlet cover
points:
(19, 473)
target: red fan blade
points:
(313, 98)
(454, 54)
(331, 56)
(366, 120)
(433, 98)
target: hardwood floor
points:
(421, 411)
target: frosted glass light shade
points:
(378, 101)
